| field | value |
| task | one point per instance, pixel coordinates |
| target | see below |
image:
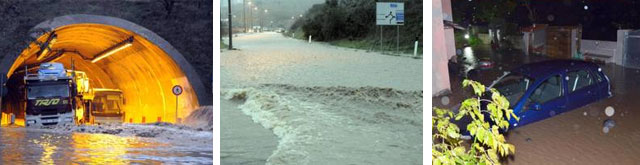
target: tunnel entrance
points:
(114, 54)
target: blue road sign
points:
(400, 16)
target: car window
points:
(547, 90)
(579, 79)
(513, 86)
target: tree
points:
(488, 144)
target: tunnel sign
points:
(389, 13)
(177, 90)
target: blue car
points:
(541, 90)
(537, 91)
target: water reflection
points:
(27, 146)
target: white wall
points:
(440, 75)
(599, 48)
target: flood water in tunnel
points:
(143, 71)
(24, 145)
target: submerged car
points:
(537, 91)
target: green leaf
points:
(436, 162)
(492, 155)
(460, 114)
(512, 148)
(453, 131)
(459, 150)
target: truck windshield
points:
(513, 86)
(61, 90)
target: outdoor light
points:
(586, 7)
(256, 8)
(46, 46)
(466, 36)
(106, 53)
(300, 15)
(265, 10)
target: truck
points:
(51, 96)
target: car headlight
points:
(31, 121)
(68, 119)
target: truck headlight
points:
(31, 121)
(68, 119)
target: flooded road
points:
(36, 146)
(577, 136)
(324, 104)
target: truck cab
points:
(49, 96)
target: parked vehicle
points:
(106, 106)
(542, 90)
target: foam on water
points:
(336, 124)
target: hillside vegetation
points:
(352, 23)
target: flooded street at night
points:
(574, 137)
(318, 103)
(21, 145)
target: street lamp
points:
(263, 17)
(256, 9)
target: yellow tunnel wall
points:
(143, 71)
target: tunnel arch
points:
(151, 57)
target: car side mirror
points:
(535, 106)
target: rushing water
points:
(318, 104)
(29, 146)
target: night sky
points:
(599, 19)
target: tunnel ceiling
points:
(143, 71)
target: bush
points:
(355, 20)
(488, 142)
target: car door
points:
(545, 100)
(582, 88)
(602, 83)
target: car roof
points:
(545, 68)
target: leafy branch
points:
(488, 143)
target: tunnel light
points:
(46, 46)
(108, 52)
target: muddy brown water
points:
(574, 137)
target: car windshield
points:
(513, 86)
(61, 90)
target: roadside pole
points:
(398, 39)
(244, 18)
(176, 108)
(381, 38)
(177, 90)
(230, 35)
(415, 49)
